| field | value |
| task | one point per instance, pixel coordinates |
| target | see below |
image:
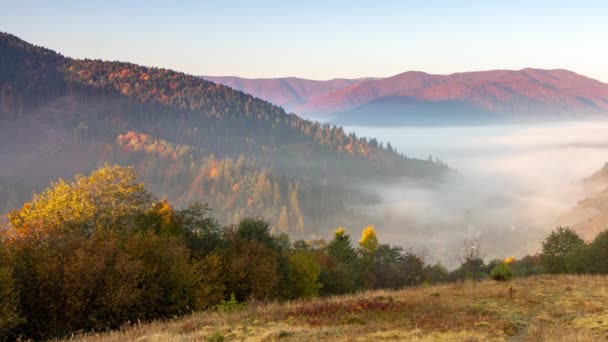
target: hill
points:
(590, 216)
(190, 139)
(527, 94)
(291, 93)
(524, 309)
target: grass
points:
(541, 308)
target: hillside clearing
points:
(540, 308)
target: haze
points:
(513, 184)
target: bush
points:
(216, 337)
(527, 266)
(230, 305)
(501, 272)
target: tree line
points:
(101, 250)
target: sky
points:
(321, 39)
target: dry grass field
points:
(541, 308)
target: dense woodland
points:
(101, 250)
(174, 128)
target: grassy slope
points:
(542, 308)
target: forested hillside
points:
(590, 216)
(190, 139)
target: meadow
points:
(537, 308)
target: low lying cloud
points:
(512, 185)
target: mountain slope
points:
(60, 116)
(590, 215)
(498, 91)
(512, 93)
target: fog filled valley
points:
(511, 186)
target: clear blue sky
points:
(322, 39)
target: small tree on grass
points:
(471, 261)
(502, 271)
(555, 248)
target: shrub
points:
(216, 337)
(501, 272)
(230, 305)
(435, 274)
(527, 266)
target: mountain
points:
(190, 139)
(291, 93)
(497, 94)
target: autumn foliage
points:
(100, 250)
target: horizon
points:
(345, 42)
(318, 80)
(403, 72)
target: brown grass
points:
(542, 308)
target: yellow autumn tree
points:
(110, 197)
(509, 260)
(369, 240)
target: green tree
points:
(304, 273)
(435, 274)
(591, 258)
(255, 229)
(202, 232)
(555, 248)
(340, 247)
(599, 252)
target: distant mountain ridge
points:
(515, 93)
(291, 93)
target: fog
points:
(512, 184)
